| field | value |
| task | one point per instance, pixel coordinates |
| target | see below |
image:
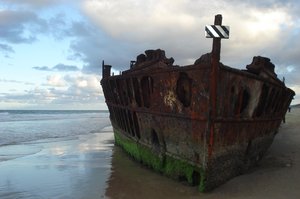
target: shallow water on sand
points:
(65, 169)
(54, 154)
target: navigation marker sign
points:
(217, 31)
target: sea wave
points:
(8, 152)
(34, 115)
(16, 128)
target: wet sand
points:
(68, 168)
(277, 175)
(90, 167)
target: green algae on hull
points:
(165, 164)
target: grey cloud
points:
(117, 35)
(179, 29)
(63, 67)
(291, 76)
(58, 26)
(291, 5)
(139, 27)
(91, 45)
(52, 96)
(58, 67)
(30, 96)
(14, 24)
(42, 68)
(19, 26)
(31, 3)
(6, 48)
(10, 81)
(81, 29)
(265, 3)
(88, 47)
(15, 81)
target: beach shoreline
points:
(90, 166)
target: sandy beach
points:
(90, 167)
(276, 177)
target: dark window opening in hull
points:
(129, 90)
(239, 100)
(136, 125)
(117, 117)
(120, 91)
(247, 152)
(131, 127)
(245, 100)
(279, 106)
(270, 101)
(196, 178)
(114, 92)
(125, 118)
(122, 124)
(233, 102)
(154, 139)
(137, 93)
(147, 84)
(184, 89)
(262, 101)
(274, 101)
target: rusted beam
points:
(215, 60)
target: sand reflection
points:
(73, 168)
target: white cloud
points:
(79, 90)
(290, 69)
(178, 26)
(296, 99)
(82, 90)
(85, 82)
(138, 21)
(56, 81)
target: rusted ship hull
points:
(162, 117)
(203, 123)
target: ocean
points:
(20, 126)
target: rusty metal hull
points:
(162, 115)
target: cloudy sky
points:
(51, 50)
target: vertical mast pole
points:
(215, 60)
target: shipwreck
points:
(203, 123)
